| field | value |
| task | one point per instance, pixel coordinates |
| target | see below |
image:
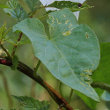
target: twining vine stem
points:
(30, 73)
(53, 93)
(101, 86)
(16, 45)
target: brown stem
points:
(29, 72)
(15, 47)
(101, 86)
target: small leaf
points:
(15, 10)
(3, 32)
(36, 8)
(105, 96)
(33, 4)
(68, 53)
(29, 102)
(73, 6)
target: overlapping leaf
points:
(70, 53)
(35, 8)
(15, 10)
(28, 102)
(73, 6)
(33, 4)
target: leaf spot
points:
(66, 22)
(67, 33)
(82, 84)
(88, 71)
(52, 19)
(87, 36)
(58, 21)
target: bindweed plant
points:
(69, 50)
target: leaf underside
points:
(70, 53)
(73, 6)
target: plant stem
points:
(15, 47)
(5, 50)
(101, 86)
(60, 88)
(30, 73)
(71, 93)
(37, 67)
(33, 82)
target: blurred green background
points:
(15, 83)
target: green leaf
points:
(3, 32)
(88, 101)
(70, 53)
(11, 39)
(73, 6)
(36, 8)
(102, 74)
(33, 4)
(15, 10)
(29, 102)
(105, 96)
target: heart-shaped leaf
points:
(70, 53)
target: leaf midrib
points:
(61, 53)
